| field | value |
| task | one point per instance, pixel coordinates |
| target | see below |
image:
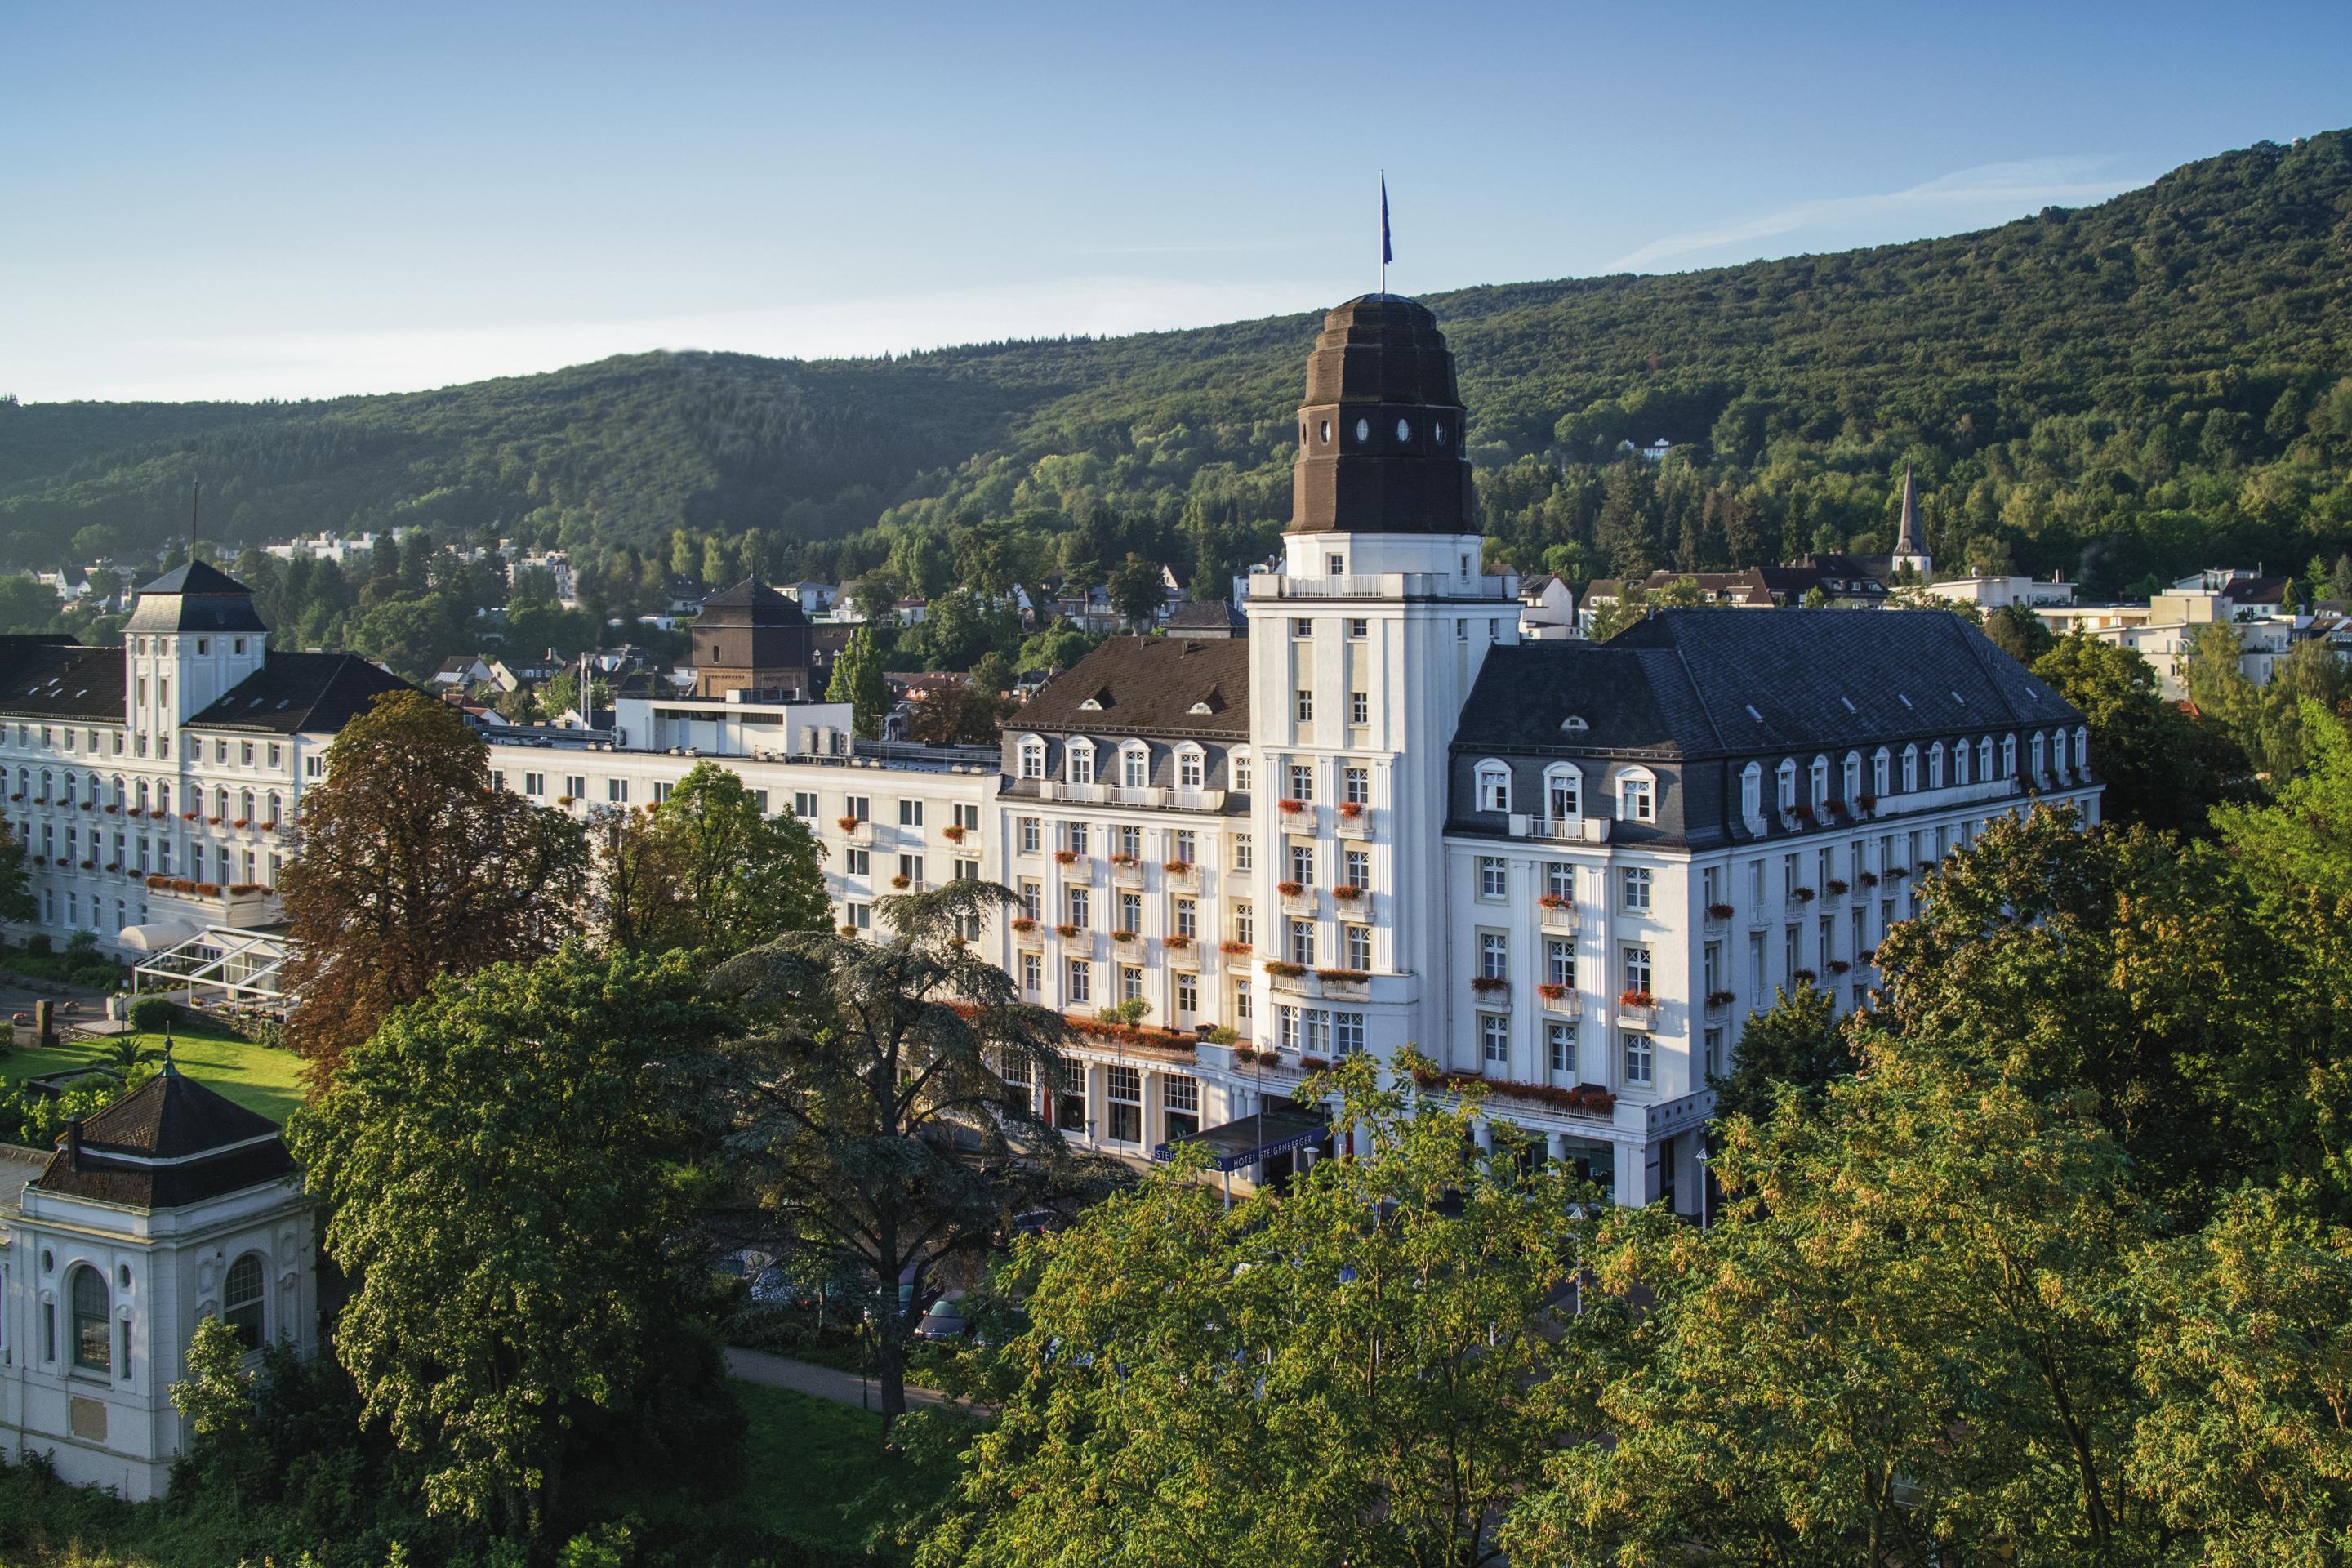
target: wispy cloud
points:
(1988, 193)
(408, 359)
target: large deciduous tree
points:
(1359, 1371)
(707, 870)
(2158, 766)
(410, 864)
(866, 1116)
(497, 1164)
(857, 681)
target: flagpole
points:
(1384, 231)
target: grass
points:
(259, 1078)
(817, 1472)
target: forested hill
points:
(2141, 386)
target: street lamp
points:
(1702, 1160)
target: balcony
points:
(1299, 899)
(1560, 1001)
(1126, 871)
(1637, 1011)
(856, 831)
(1352, 824)
(1028, 935)
(1343, 984)
(1557, 913)
(1237, 956)
(1181, 876)
(1490, 990)
(238, 908)
(1561, 829)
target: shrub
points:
(154, 1015)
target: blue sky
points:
(256, 201)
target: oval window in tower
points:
(1363, 430)
(1438, 430)
(1404, 430)
(1327, 431)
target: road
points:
(823, 1382)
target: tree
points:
(1898, 1346)
(857, 681)
(1137, 591)
(495, 1166)
(16, 900)
(1799, 1042)
(865, 1117)
(2018, 632)
(1355, 1372)
(707, 871)
(410, 864)
(2159, 767)
(957, 713)
(1056, 646)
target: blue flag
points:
(1387, 254)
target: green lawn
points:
(807, 1462)
(256, 1077)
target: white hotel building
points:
(1378, 818)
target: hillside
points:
(2136, 387)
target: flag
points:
(1387, 254)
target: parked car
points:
(945, 1320)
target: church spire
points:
(1908, 537)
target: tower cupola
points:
(1379, 435)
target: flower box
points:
(847, 823)
(1836, 887)
(1290, 890)
(240, 822)
(1636, 999)
(1066, 932)
(1066, 857)
(1351, 809)
(1122, 861)
(1867, 881)
(1867, 801)
(1235, 949)
(1343, 976)
(1554, 902)
(902, 882)
(63, 861)
(115, 869)
(1802, 895)
(1177, 944)
(1122, 936)
(1839, 967)
(213, 821)
(113, 811)
(849, 930)
(1802, 813)
(1490, 985)
(1806, 977)
(1346, 892)
(1897, 873)
(1313, 1064)
(953, 832)
(1177, 867)
(1283, 971)
(1292, 807)
(1719, 911)
(1024, 924)
(1721, 998)
(1552, 991)
(1868, 955)
(563, 800)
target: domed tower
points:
(752, 638)
(1362, 649)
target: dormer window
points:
(1852, 775)
(2040, 762)
(1081, 762)
(2008, 756)
(1493, 786)
(1936, 766)
(1032, 758)
(1784, 793)
(1574, 724)
(1818, 775)
(1636, 797)
(1192, 768)
(204, 647)
(1243, 773)
(1134, 767)
(1563, 793)
(2082, 749)
(1910, 770)
(1751, 792)
(1959, 762)
(1984, 759)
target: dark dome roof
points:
(1379, 435)
(751, 603)
(196, 598)
(1381, 348)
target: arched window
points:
(1852, 775)
(2041, 755)
(46, 782)
(1564, 791)
(1786, 797)
(142, 795)
(1819, 777)
(1637, 796)
(1033, 757)
(1879, 764)
(1243, 771)
(1984, 759)
(2008, 756)
(241, 1300)
(275, 811)
(93, 1334)
(1959, 762)
(1910, 769)
(1134, 765)
(1751, 792)
(120, 795)
(2082, 748)
(1493, 786)
(245, 805)
(1192, 767)
(1936, 766)
(24, 780)
(164, 798)
(1080, 762)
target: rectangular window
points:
(1494, 876)
(1359, 864)
(1360, 708)
(1130, 982)
(1302, 864)
(1245, 925)
(1188, 917)
(1358, 627)
(661, 792)
(1245, 1007)
(1179, 1100)
(1130, 911)
(862, 916)
(1635, 803)
(1187, 845)
(1640, 1061)
(1559, 1041)
(1188, 993)
(1494, 955)
(1078, 903)
(911, 868)
(1070, 1097)
(1030, 835)
(617, 791)
(1032, 895)
(534, 783)
(967, 871)
(1301, 626)
(1559, 881)
(1123, 1096)
(1636, 882)
(1714, 1039)
(1082, 981)
(1356, 785)
(1244, 856)
(1075, 838)
(1130, 842)
(858, 862)
(858, 806)
(1560, 962)
(1302, 943)
(1494, 1041)
(910, 813)
(1347, 1034)
(1302, 780)
(1637, 967)
(1359, 946)
(1711, 967)
(1303, 706)
(1033, 973)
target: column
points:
(1632, 1178)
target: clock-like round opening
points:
(1363, 430)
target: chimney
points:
(73, 1143)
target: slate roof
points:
(1724, 683)
(63, 683)
(751, 603)
(196, 598)
(1149, 685)
(2256, 590)
(167, 1143)
(292, 693)
(1213, 618)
